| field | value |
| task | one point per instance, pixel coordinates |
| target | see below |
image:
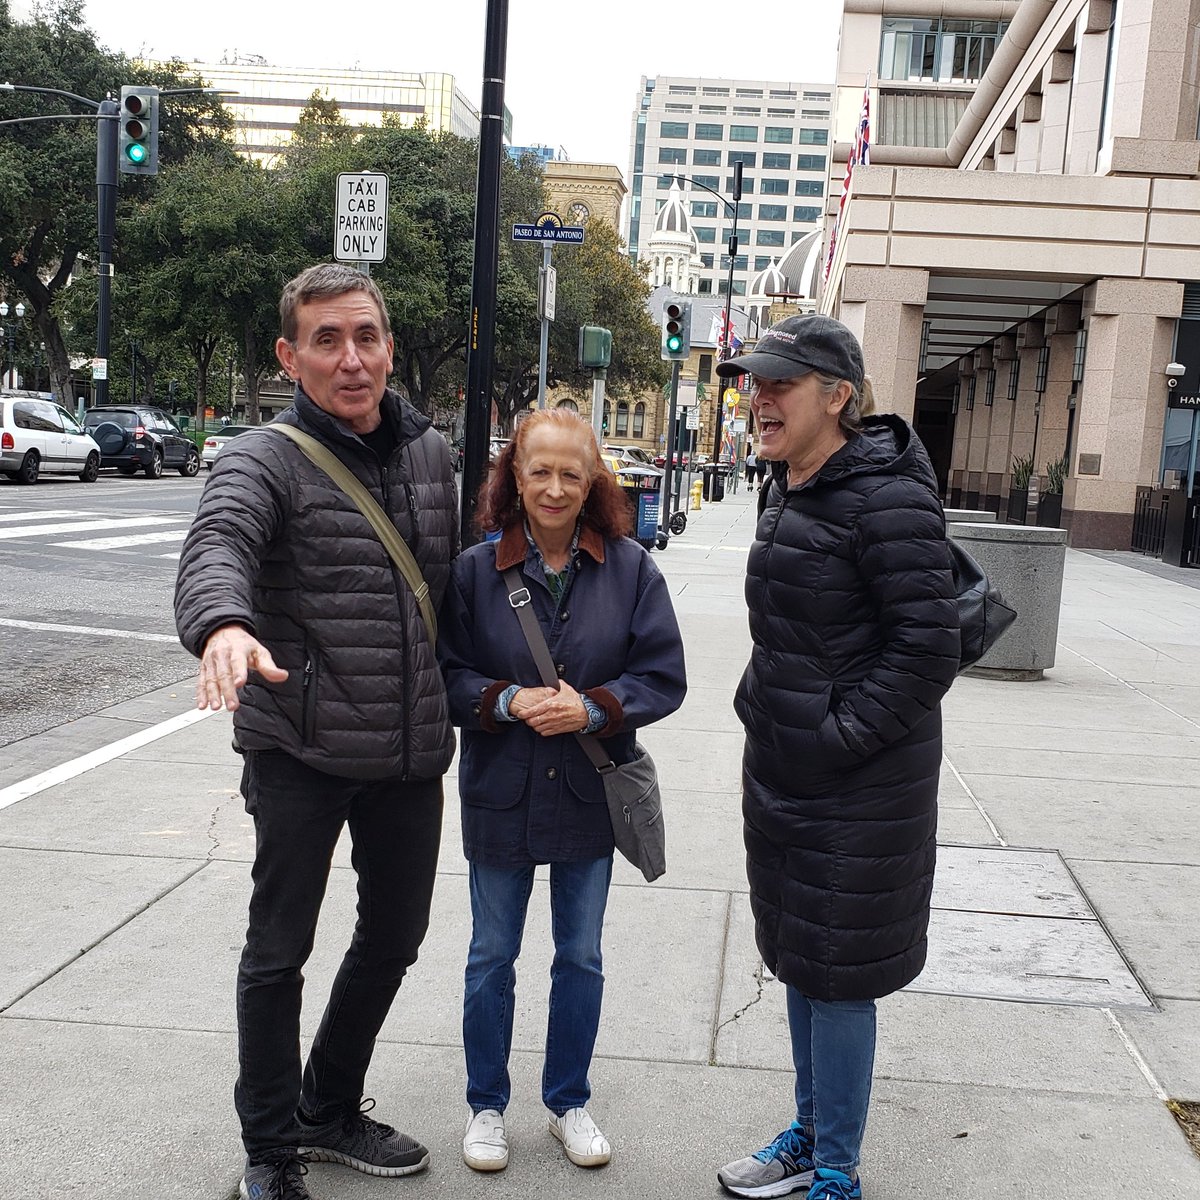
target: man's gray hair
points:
(321, 282)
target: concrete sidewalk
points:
(1061, 1004)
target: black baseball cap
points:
(798, 345)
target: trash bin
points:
(645, 499)
(714, 482)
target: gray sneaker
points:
(783, 1167)
(279, 1178)
(355, 1140)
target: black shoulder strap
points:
(522, 602)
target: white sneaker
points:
(585, 1145)
(485, 1144)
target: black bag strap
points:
(521, 600)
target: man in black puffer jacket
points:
(855, 628)
(311, 636)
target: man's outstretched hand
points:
(230, 654)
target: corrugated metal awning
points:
(918, 118)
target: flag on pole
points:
(860, 152)
(728, 340)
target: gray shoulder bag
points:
(631, 790)
(397, 548)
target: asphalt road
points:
(87, 574)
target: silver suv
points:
(36, 435)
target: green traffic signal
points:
(674, 343)
(136, 152)
(138, 130)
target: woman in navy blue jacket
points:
(529, 793)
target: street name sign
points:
(360, 218)
(547, 228)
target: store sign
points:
(1186, 392)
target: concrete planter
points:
(1049, 509)
(1026, 564)
(969, 514)
(1018, 506)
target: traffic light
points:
(676, 331)
(137, 142)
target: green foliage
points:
(1022, 472)
(1056, 475)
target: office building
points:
(697, 129)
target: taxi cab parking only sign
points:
(360, 220)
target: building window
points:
(806, 212)
(740, 263)
(740, 110)
(704, 370)
(679, 89)
(778, 133)
(814, 137)
(1080, 356)
(666, 182)
(687, 108)
(639, 420)
(778, 95)
(769, 237)
(716, 91)
(762, 262)
(1014, 377)
(938, 50)
(989, 389)
(607, 415)
(750, 93)
(970, 392)
(745, 211)
(739, 287)
(672, 154)
(706, 158)
(747, 185)
(743, 133)
(747, 158)
(706, 132)
(706, 261)
(777, 162)
(814, 114)
(704, 234)
(674, 129)
(712, 181)
(704, 288)
(1043, 367)
(810, 162)
(714, 109)
(781, 112)
(623, 419)
(810, 187)
(772, 212)
(773, 187)
(814, 95)
(569, 405)
(704, 208)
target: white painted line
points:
(1135, 1054)
(175, 554)
(128, 539)
(130, 634)
(97, 758)
(46, 514)
(85, 526)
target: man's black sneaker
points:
(355, 1140)
(278, 1178)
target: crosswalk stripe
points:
(85, 526)
(132, 635)
(45, 514)
(128, 539)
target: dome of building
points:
(770, 281)
(672, 217)
(801, 266)
(672, 248)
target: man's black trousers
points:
(298, 815)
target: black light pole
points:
(106, 217)
(727, 332)
(481, 333)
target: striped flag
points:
(860, 152)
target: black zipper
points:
(401, 586)
(309, 688)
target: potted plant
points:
(1049, 508)
(1018, 495)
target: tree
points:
(47, 169)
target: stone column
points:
(963, 419)
(1121, 407)
(998, 461)
(981, 431)
(1052, 428)
(885, 307)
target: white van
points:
(36, 435)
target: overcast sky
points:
(573, 69)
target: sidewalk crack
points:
(759, 982)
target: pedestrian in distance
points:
(308, 634)
(530, 794)
(751, 464)
(854, 624)
(761, 466)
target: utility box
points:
(595, 347)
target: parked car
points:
(660, 460)
(630, 454)
(141, 438)
(37, 436)
(215, 440)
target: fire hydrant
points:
(697, 492)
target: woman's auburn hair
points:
(606, 510)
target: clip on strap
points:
(519, 598)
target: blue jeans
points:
(833, 1048)
(499, 902)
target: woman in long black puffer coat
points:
(855, 628)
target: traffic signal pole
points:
(106, 212)
(664, 506)
(481, 333)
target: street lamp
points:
(10, 334)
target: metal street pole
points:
(544, 297)
(106, 214)
(481, 333)
(598, 377)
(664, 508)
(727, 332)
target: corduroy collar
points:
(512, 548)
